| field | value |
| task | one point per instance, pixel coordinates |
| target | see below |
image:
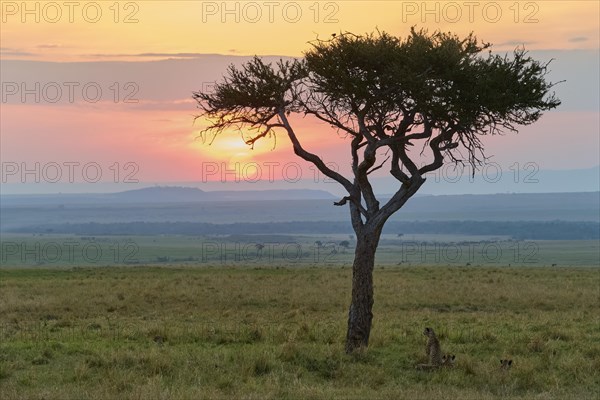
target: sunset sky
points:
(146, 57)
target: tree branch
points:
(313, 158)
(378, 167)
(395, 170)
(369, 159)
(437, 149)
(406, 191)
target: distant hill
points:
(166, 194)
(160, 204)
(172, 194)
(442, 182)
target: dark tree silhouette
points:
(386, 95)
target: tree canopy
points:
(379, 89)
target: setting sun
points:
(140, 65)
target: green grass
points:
(278, 333)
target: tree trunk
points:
(360, 314)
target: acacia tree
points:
(386, 95)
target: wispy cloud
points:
(577, 39)
(7, 51)
(154, 55)
(515, 43)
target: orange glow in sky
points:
(114, 30)
(155, 53)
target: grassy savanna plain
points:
(54, 250)
(277, 332)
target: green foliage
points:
(438, 81)
(250, 95)
(381, 71)
(388, 85)
(258, 85)
(438, 75)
